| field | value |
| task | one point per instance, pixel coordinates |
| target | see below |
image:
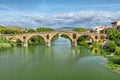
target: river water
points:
(58, 62)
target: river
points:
(58, 62)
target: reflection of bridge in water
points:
(48, 36)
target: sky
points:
(59, 13)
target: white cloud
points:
(70, 19)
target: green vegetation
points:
(84, 40)
(113, 47)
(30, 30)
(114, 63)
(36, 40)
(18, 30)
(97, 50)
(11, 30)
(5, 44)
(80, 29)
(44, 29)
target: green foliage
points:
(80, 29)
(111, 46)
(18, 30)
(117, 42)
(9, 31)
(113, 34)
(114, 44)
(114, 47)
(97, 45)
(83, 40)
(5, 44)
(36, 40)
(18, 41)
(30, 30)
(117, 50)
(114, 59)
(44, 29)
(3, 40)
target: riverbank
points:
(5, 44)
(113, 59)
(114, 63)
(114, 67)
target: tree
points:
(113, 34)
(30, 30)
(111, 46)
(80, 29)
(44, 29)
(117, 50)
(35, 40)
(117, 42)
(18, 41)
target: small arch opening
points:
(47, 37)
(74, 36)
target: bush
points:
(80, 29)
(117, 50)
(30, 30)
(111, 46)
(115, 59)
(117, 42)
(5, 46)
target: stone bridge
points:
(48, 36)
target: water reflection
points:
(58, 62)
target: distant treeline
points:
(80, 29)
(19, 30)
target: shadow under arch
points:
(88, 37)
(37, 39)
(11, 38)
(16, 40)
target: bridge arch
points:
(28, 38)
(90, 37)
(15, 37)
(17, 40)
(62, 33)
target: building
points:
(116, 25)
(101, 29)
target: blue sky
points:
(33, 13)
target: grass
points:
(5, 44)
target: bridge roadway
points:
(48, 36)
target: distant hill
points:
(16, 28)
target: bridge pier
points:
(48, 43)
(74, 43)
(25, 43)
